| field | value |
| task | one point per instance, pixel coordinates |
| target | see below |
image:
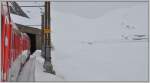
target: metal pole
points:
(47, 40)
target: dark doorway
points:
(33, 42)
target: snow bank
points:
(40, 75)
(94, 50)
(97, 48)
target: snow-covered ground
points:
(94, 48)
(98, 42)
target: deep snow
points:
(40, 75)
(33, 70)
(94, 42)
(94, 49)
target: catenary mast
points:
(46, 36)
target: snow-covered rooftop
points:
(34, 14)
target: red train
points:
(15, 46)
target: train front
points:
(15, 46)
